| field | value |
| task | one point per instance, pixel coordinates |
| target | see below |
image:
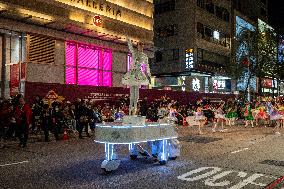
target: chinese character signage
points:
(189, 58)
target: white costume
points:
(219, 114)
(135, 77)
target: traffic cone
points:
(65, 135)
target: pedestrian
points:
(46, 121)
(23, 116)
(57, 118)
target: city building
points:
(78, 42)
(195, 42)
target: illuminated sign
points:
(189, 58)
(219, 84)
(183, 83)
(216, 35)
(97, 21)
(196, 84)
(98, 6)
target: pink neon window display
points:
(92, 67)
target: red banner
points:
(72, 92)
(14, 79)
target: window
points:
(167, 31)
(208, 32)
(205, 56)
(159, 56)
(165, 7)
(226, 16)
(200, 29)
(88, 65)
(219, 12)
(175, 54)
(200, 3)
(210, 7)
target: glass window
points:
(93, 66)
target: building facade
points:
(81, 42)
(195, 42)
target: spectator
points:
(23, 116)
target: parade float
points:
(161, 138)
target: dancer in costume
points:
(199, 116)
(220, 117)
(232, 114)
(276, 117)
(135, 77)
(261, 114)
(248, 115)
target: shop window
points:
(93, 66)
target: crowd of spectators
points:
(18, 119)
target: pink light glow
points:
(88, 77)
(129, 61)
(70, 55)
(70, 73)
(94, 65)
(88, 57)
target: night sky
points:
(276, 13)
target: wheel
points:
(105, 171)
(163, 162)
(173, 158)
(133, 157)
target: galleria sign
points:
(95, 5)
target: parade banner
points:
(72, 92)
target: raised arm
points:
(130, 46)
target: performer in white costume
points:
(135, 77)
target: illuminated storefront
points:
(69, 41)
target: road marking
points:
(234, 152)
(217, 177)
(16, 163)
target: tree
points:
(256, 56)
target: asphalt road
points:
(239, 158)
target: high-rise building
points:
(78, 42)
(194, 41)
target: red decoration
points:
(97, 21)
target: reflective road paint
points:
(16, 163)
(217, 177)
(234, 152)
